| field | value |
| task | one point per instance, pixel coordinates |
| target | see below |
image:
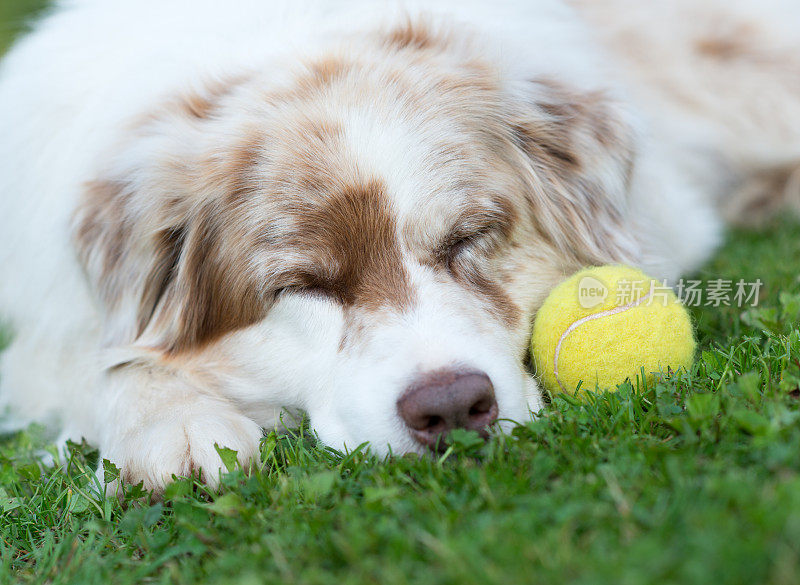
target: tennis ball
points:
(603, 325)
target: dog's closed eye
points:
(313, 288)
(475, 242)
(319, 291)
(307, 284)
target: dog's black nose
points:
(441, 401)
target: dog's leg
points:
(158, 421)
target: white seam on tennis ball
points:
(588, 318)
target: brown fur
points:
(325, 71)
(173, 253)
(102, 236)
(726, 46)
(763, 195)
(415, 35)
(491, 290)
(564, 134)
(356, 228)
(197, 272)
(285, 207)
(204, 103)
(216, 292)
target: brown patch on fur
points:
(546, 144)
(202, 104)
(328, 70)
(169, 244)
(311, 160)
(178, 256)
(491, 290)
(234, 172)
(731, 42)
(567, 113)
(318, 75)
(321, 132)
(219, 233)
(354, 330)
(355, 226)
(763, 195)
(218, 292)
(101, 211)
(184, 254)
(413, 35)
(103, 234)
(581, 156)
(196, 272)
(197, 106)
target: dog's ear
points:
(580, 152)
(129, 267)
(163, 239)
(170, 279)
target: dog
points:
(218, 214)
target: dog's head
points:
(365, 238)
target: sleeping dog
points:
(213, 213)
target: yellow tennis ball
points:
(603, 325)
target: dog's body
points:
(214, 212)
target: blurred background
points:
(15, 17)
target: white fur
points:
(92, 66)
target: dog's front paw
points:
(182, 444)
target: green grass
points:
(695, 479)
(15, 15)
